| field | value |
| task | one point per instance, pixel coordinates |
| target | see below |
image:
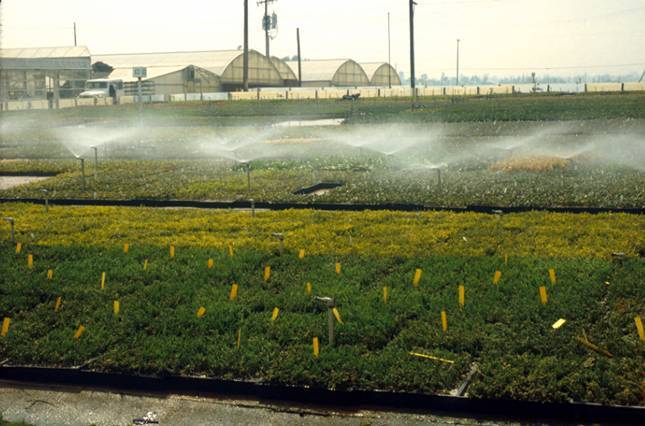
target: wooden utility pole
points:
(266, 24)
(389, 53)
(457, 75)
(245, 72)
(412, 71)
(299, 59)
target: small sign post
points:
(139, 73)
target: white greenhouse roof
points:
(125, 73)
(46, 52)
(46, 58)
(215, 61)
(318, 69)
(371, 68)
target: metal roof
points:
(46, 58)
(318, 69)
(215, 61)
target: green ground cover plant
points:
(502, 330)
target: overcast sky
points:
(499, 37)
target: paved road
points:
(75, 406)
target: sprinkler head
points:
(278, 235)
(328, 301)
(9, 219)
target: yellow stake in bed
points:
(434, 358)
(497, 277)
(230, 249)
(444, 321)
(172, 250)
(145, 265)
(639, 327)
(210, 263)
(239, 338)
(462, 295)
(50, 274)
(336, 313)
(6, 322)
(102, 280)
(505, 260)
(59, 300)
(79, 331)
(116, 307)
(201, 312)
(338, 267)
(544, 298)
(552, 276)
(233, 294)
(267, 273)
(386, 293)
(126, 248)
(316, 347)
(301, 254)
(18, 248)
(30, 261)
(274, 315)
(309, 289)
(417, 277)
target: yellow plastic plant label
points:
(309, 289)
(59, 301)
(338, 267)
(79, 331)
(145, 265)
(301, 254)
(230, 249)
(126, 248)
(18, 248)
(233, 294)
(444, 321)
(210, 263)
(497, 277)
(267, 273)
(336, 313)
(316, 347)
(30, 261)
(274, 315)
(417, 277)
(462, 295)
(201, 312)
(552, 276)
(6, 322)
(639, 327)
(386, 294)
(116, 306)
(50, 274)
(102, 280)
(544, 298)
(172, 250)
(239, 338)
(559, 323)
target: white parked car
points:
(103, 88)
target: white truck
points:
(103, 88)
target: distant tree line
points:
(544, 79)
